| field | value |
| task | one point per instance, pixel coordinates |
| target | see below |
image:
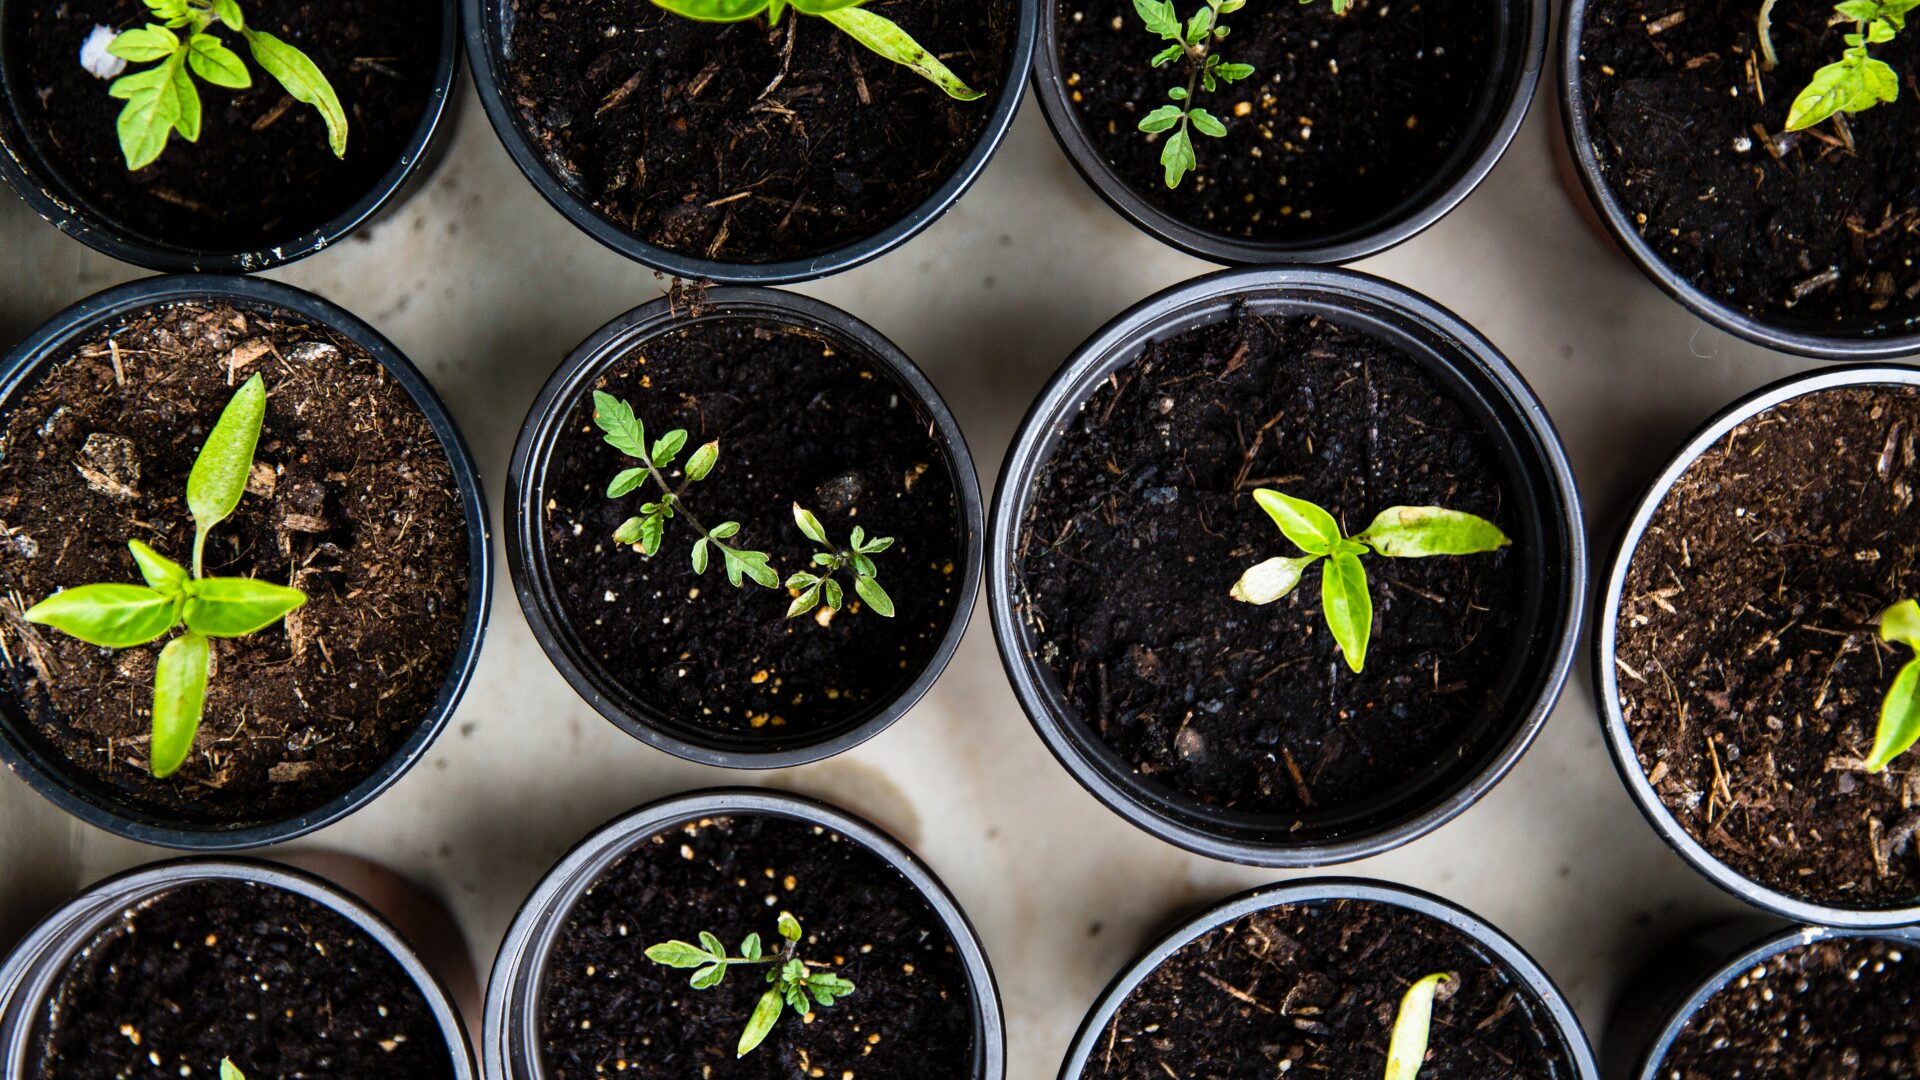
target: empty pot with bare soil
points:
(1287, 565)
(1754, 649)
(245, 562)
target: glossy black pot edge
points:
(21, 166)
(1574, 1046)
(510, 1043)
(39, 959)
(487, 27)
(1499, 115)
(527, 558)
(1606, 677)
(1785, 338)
(48, 775)
(1519, 415)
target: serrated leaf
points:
(679, 954)
(1348, 606)
(702, 461)
(1408, 1050)
(1159, 17)
(1265, 582)
(809, 525)
(765, 1014)
(112, 615)
(1161, 118)
(152, 113)
(1234, 72)
(884, 37)
(302, 79)
(217, 64)
(875, 596)
(668, 447)
(1413, 532)
(828, 987)
(1176, 156)
(179, 697)
(236, 607)
(165, 576)
(622, 430)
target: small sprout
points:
(1900, 711)
(647, 530)
(119, 616)
(858, 555)
(162, 100)
(876, 32)
(1857, 81)
(792, 978)
(1400, 532)
(1408, 1051)
(230, 1071)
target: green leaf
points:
(167, 577)
(626, 481)
(752, 564)
(629, 531)
(1159, 17)
(236, 607)
(1176, 156)
(796, 996)
(168, 9)
(1161, 118)
(714, 10)
(809, 525)
(702, 461)
(711, 942)
(228, 1070)
(700, 556)
(1348, 607)
(834, 597)
(1265, 582)
(750, 947)
(1168, 55)
(303, 80)
(821, 7)
(1901, 623)
(179, 696)
(151, 114)
(668, 447)
(1851, 84)
(112, 615)
(1899, 719)
(875, 546)
(188, 122)
(828, 987)
(725, 530)
(622, 430)
(789, 926)
(708, 977)
(863, 564)
(1311, 529)
(875, 596)
(1408, 1051)
(218, 64)
(1199, 24)
(219, 475)
(145, 43)
(229, 13)
(808, 599)
(1179, 93)
(653, 530)
(761, 1022)
(1859, 10)
(1207, 123)
(679, 954)
(883, 36)
(1413, 532)
(1234, 72)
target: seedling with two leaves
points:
(1900, 710)
(162, 100)
(1411, 1027)
(1399, 532)
(793, 979)
(857, 556)
(1857, 81)
(119, 616)
(876, 32)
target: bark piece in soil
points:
(353, 500)
(1749, 666)
(909, 1017)
(799, 418)
(282, 985)
(1688, 132)
(1345, 116)
(1832, 1010)
(1145, 517)
(262, 172)
(745, 143)
(1312, 990)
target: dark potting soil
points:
(800, 419)
(1688, 131)
(353, 501)
(1832, 1010)
(743, 142)
(1312, 990)
(1750, 669)
(608, 1010)
(1145, 517)
(284, 986)
(262, 172)
(1343, 117)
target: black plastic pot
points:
(66, 206)
(27, 753)
(489, 30)
(39, 960)
(1822, 341)
(527, 558)
(1498, 111)
(1606, 681)
(1550, 540)
(1553, 1010)
(511, 1041)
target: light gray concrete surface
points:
(486, 288)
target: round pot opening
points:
(808, 405)
(124, 447)
(57, 135)
(1487, 77)
(1536, 502)
(524, 985)
(736, 224)
(1698, 528)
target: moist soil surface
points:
(1689, 135)
(1145, 517)
(743, 142)
(1832, 1010)
(604, 1003)
(799, 418)
(282, 985)
(1343, 117)
(1750, 668)
(352, 500)
(1312, 990)
(380, 58)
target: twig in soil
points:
(792, 982)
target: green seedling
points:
(118, 616)
(1900, 710)
(163, 101)
(1400, 532)
(1411, 1026)
(857, 556)
(793, 979)
(230, 1071)
(1857, 81)
(876, 32)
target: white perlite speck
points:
(94, 56)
